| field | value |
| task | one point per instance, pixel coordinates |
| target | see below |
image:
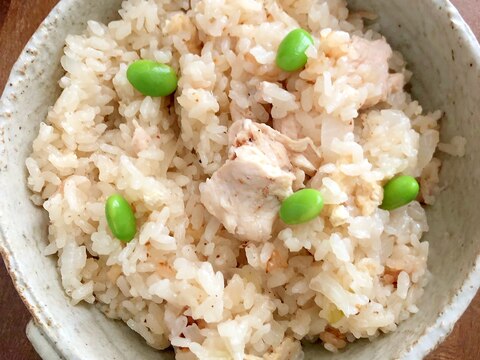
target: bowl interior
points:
(444, 57)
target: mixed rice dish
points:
(231, 178)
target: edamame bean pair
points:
(306, 204)
(155, 79)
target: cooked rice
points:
(354, 272)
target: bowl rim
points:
(434, 335)
(426, 343)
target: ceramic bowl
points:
(445, 58)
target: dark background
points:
(18, 21)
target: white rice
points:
(354, 272)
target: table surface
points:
(18, 21)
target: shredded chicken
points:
(302, 153)
(245, 193)
(370, 61)
(288, 126)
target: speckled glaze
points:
(445, 58)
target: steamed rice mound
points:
(354, 272)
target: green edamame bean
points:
(291, 52)
(399, 191)
(152, 78)
(120, 218)
(302, 206)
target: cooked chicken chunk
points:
(370, 61)
(302, 153)
(245, 193)
(288, 126)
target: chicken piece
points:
(369, 59)
(302, 153)
(288, 126)
(245, 193)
